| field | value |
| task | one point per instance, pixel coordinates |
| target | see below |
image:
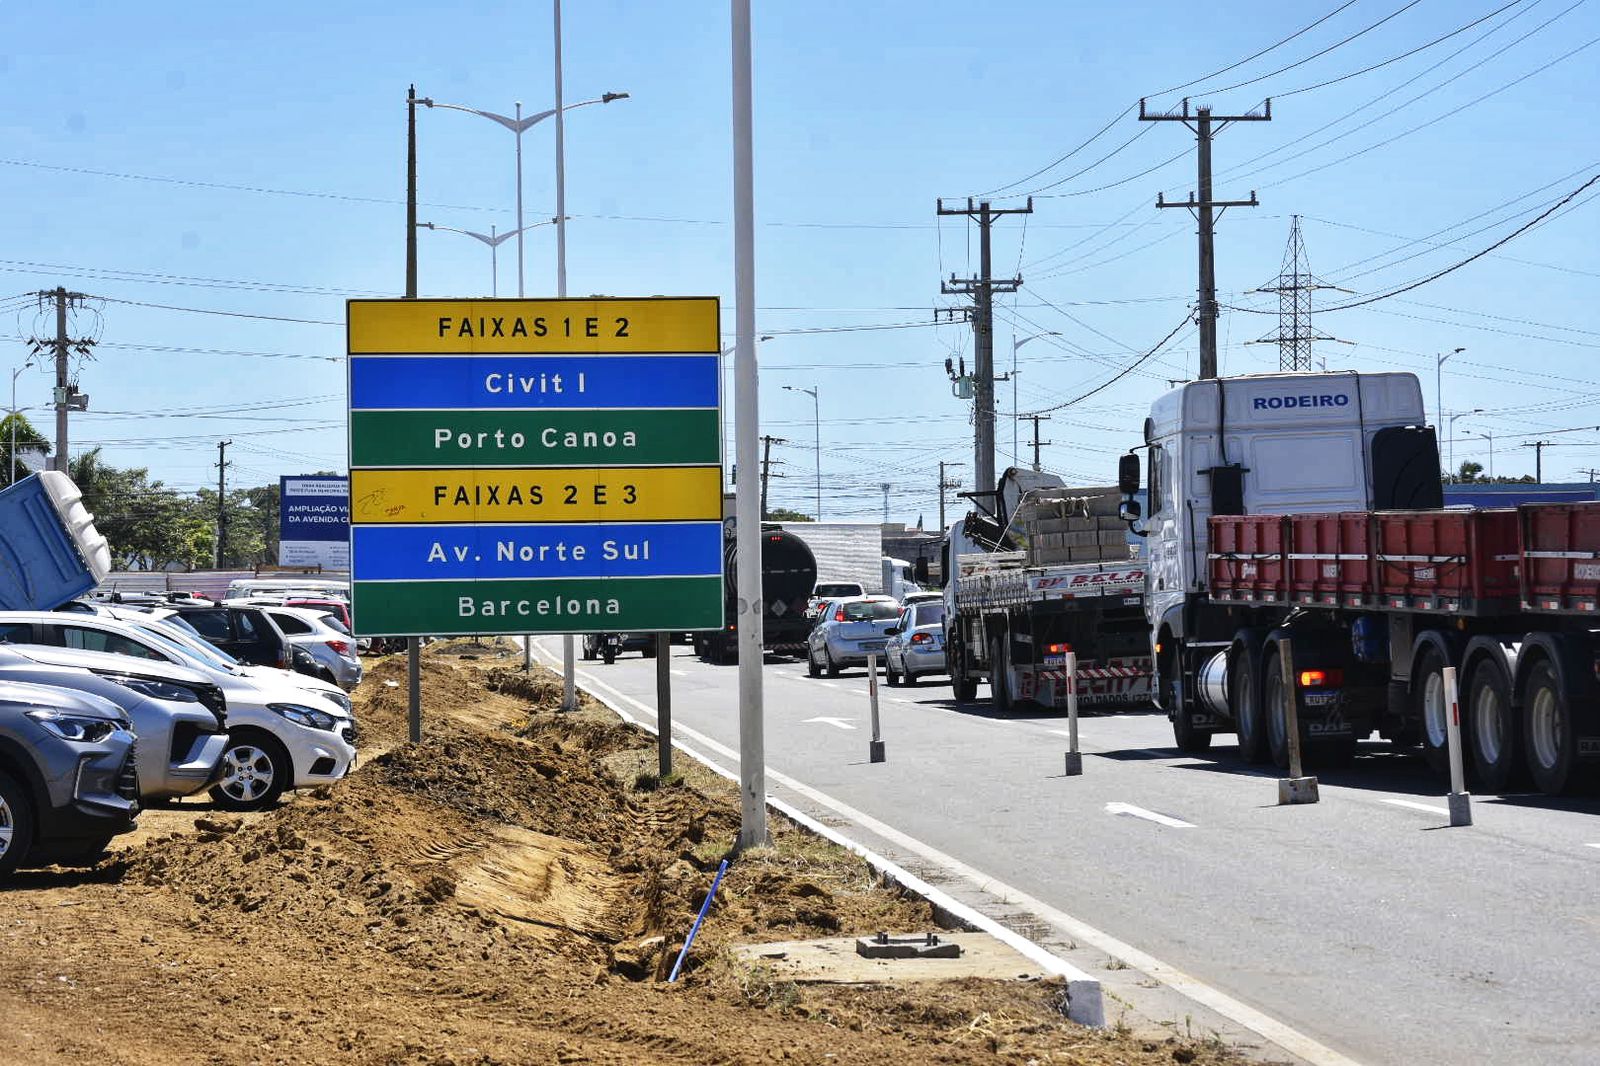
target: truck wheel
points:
(1431, 711)
(1548, 732)
(1184, 734)
(1272, 711)
(999, 676)
(962, 687)
(16, 823)
(1245, 703)
(1496, 733)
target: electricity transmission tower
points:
(1294, 287)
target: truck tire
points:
(999, 675)
(1184, 734)
(962, 687)
(1548, 734)
(1430, 710)
(16, 823)
(1496, 731)
(1272, 710)
(1244, 701)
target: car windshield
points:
(190, 638)
(334, 622)
(172, 645)
(929, 614)
(871, 611)
(837, 590)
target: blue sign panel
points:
(314, 521)
(537, 550)
(496, 382)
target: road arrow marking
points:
(1149, 816)
(1416, 806)
(841, 723)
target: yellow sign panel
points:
(583, 326)
(618, 494)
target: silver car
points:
(323, 635)
(178, 714)
(916, 642)
(847, 630)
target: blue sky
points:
(278, 137)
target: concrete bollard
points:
(1460, 799)
(875, 751)
(1074, 759)
(1296, 788)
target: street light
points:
(722, 407)
(1450, 434)
(1015, 344)
(1438, 384)
(494, 240)
(15, 414)
(518, 125)
(1490, 438)
(816, 429)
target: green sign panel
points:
(534, 438)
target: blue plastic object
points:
(706, 906)
(50, 551)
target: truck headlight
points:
(306, 716)
(73, 727)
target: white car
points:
(280, 736)
(323, 635)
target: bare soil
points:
(512, 890)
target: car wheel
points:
(889, 674)
(648, 651)
(811, 663)
(909, 678)
(610, 655)
(16, 823)
(255, 771)
(828, 664)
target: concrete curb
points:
(1085, 1001)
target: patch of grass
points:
(646, 781)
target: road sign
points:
(535, 466)
(314, 521)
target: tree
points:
(147, 525)
(783, 514)
(28, 439)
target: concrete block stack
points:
(1056, 526)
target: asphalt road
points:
(1363, 923)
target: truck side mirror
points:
(1130, 511)
(1128, 474)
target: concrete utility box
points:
(923, 946)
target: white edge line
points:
(1414, 806)
(1289, 1039)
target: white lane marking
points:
(679, 673)
(1592, 845)
(1149, 816)
(1291, 1040)
(1415, 806)
(830, 684)
(837, 723)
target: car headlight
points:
(157, 690)
(74, 727)
(338, 696)
(306, 716)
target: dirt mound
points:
(510, 890)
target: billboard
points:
(314, 521)
(535, 466)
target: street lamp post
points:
(1015, 344)
(1438, 384)
(1450, 434)
(14, 415)
(1490, 438)
(518, 125)
(722, 428)
(816, 429)
(493, 239)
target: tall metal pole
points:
(569, 650)
(983, 327)
(222, 496)
(1014, 419)
(561, 170)
(413, 644)
(520, 292)
(816, 434)
(752, 742)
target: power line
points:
(1130, 368)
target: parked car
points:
(280, 736)
(68, 775)
(246, 633)
(325, 637)
(846, 630)
(915, 646)
(179, 716)
(826, 591)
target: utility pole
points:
(982, 289)
(767, 441)
(1201, 207)
(1538, 447)
(1037, 443)
(944, 483)
(886, 487)
(411, 193)
(222, 500)
(67, 397)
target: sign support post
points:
(663, 705)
